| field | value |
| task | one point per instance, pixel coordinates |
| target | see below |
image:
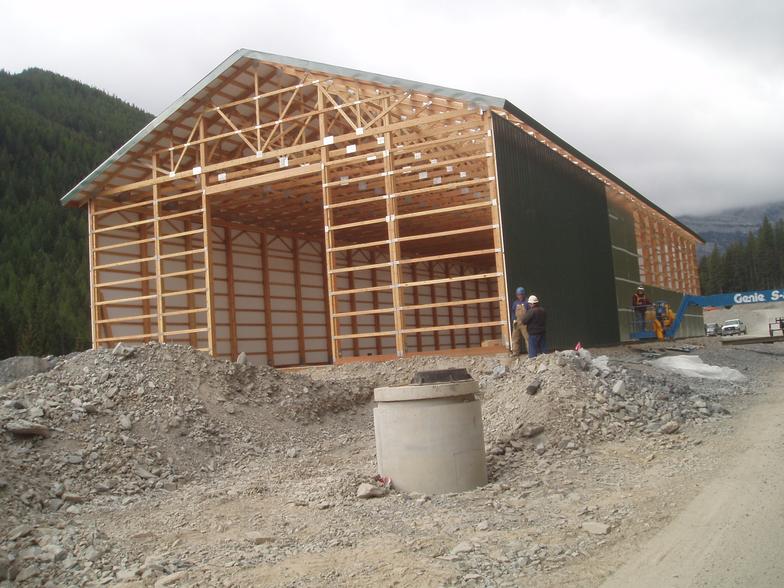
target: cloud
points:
(680, 99)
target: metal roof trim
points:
(151, 126)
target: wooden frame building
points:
(305, 213)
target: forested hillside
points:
(757, 263)
(53, 132)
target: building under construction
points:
(304, 213)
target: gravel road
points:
(731, 533)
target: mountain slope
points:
(728, 226)
(53, 132)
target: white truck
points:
(733, 327)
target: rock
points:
(258, 538)
(125, 422)
(595, 528)
(74, 509)
(324, 505)
(619, 388)
(123, 351)
(669, 427)
(55, 552)
(27, 573)
(73, 458)
(91, 554)
(483, 526)
(528, 484)
(143, 473)
(27, 428)
(533, 387)
(127, 575)
(540, 449)
(170, 579)
(57, 489)
(530, 430)
(462, 547)
(242, 358)
(292, 452)
(5, 568)
(366, 490)
(72, 497)
(499, 371)
(35, 412)
(19, 532)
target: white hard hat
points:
(533, 299)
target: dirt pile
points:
(105, 458)
(120, 422)
(14, 368)
(564, 401)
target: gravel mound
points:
(156, 416)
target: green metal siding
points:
(556, 238)
(627, 277)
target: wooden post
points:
(329, 236)
(145, 284)
(495, 213)
(352, 304)
(464, 296)
(193, 337)
(156, 207)
(479, 311)
(417, 319)
(298, 302)
(436, 334)
(207, 225)
(92, 262)
(325, 283)
(450, 309)
(376, 317)
(265, 286)
(394, 245)
(230, 293)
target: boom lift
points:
(665, 323)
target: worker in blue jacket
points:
(519, 330)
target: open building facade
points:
(305, 214)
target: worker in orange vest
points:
(640, 303)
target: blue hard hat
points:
(520, 290)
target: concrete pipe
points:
(429, 437)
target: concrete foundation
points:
(429, 437)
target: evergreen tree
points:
(53, 132)
(756, 264)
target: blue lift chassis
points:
(726, 300)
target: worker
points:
(640, 303)
(519, 331)
(535, 320)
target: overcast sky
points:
(684, 100)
